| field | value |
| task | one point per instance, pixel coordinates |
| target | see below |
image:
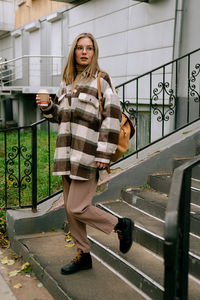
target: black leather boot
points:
(82, 261)
(124, 229)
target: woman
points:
(85, 144)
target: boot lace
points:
(78, 256)
(120, 234)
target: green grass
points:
(25, 167)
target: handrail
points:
(23, 71)
(29, 56)
(159, 92)
(22, 127)
(177, 228)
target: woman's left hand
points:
(101, 165)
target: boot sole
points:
(75, 271)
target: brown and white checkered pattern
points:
(82, 137)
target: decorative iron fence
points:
(168, 96)
(177, 228)
(26, 167)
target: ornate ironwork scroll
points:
(127, 107)
(163, 88)
(192, 86)
(19, 182)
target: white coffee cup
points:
(44, 97)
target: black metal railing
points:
(27, 179)
(168, 97)
(177, 228)
(20, 71)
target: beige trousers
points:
(77, 199)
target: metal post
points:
(6, 168)
(183, 250)
(136, 118)
(19, 167)
(49, 157)
(170, 253)
(188, 95)
(163, 104)
(177, 228)
(34, 168)
(150, 106)
(1, 72)
(176, 92)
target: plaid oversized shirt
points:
(82, 137)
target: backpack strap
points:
(99, 92)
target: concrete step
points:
(146, 199)
(155, 203)
(181, 160)
(161, 182)
(149, 231)
(47, 254)
(139, 265)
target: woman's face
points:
(84, 51)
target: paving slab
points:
(6, 293)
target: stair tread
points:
(144, 260)
(138, 256)
(139, 217)
(146, 221)
(195, 183)
(98, 283)
(155, 203)
(149, 194)
(161, 181)
(155, 197)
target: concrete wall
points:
(190, 38)
(6, 47)
(187, 107)
(129, 34)
(6, 16)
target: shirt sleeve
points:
(110, 126)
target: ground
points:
(23, 284)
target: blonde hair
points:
(70, 71)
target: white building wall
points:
(129, 33)
(34, 62)
(133, 36)
(56, 47)
(190, 37)
(7, 17)
(6, 48)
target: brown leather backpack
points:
(127, 129)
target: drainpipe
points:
(177, 51)
(178, 29)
